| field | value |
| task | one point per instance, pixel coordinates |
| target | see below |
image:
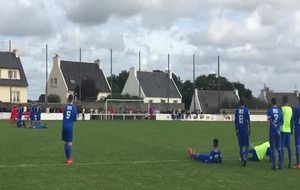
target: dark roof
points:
(292, 97)
(209, 99)
(9, 60)
(155, 84)
(71, 71)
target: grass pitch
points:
(133, 155)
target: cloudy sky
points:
(257, 41)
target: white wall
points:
(158, 100)
(131, 86)
(61, 88)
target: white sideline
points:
(93, 163)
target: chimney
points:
(99, 62)
(56, 61)
(170, 73)
(132, 71)
(17, 53)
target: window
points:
(72, 81)
(51, 81)
(12, 74)
(175, 101)
(150, 101)
(55, 81)
(15, 96)
(163, 101)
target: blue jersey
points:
(38, 112)
(20, 112)
(215, 156)
(297, 120)
(69, 116)
(242, 118)
(275, 118)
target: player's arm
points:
(248, 120)
(236, 122)
(74, 114)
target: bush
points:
(53, 98)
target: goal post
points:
(126, 107)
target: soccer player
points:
(32, 116)
(69, 117)
(243, 130)
(215, 155)
(38, 114)
(259, 152)
(20, 122)
(275, 119)
(286, 129)
(297, 134)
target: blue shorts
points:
(67, 134)
(285, 139)
(243, 138)
(275, 140)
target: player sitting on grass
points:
(215, 155)
(259, 152)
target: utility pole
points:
(219, 83)
(111, 76)
(194, 83)
(10, 74)
(46, 94)
(80, 83)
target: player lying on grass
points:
(215, 155)
(259, 152)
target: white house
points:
(66, 76)
(206, 101)
(154, 87)
(13, 82)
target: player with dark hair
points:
(297, 134)
(243, 130)
(215, 155)
(69, 117)
(286, 129)
(20, 122)
(275, 119)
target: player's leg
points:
(280, 150)
(272, 139)
(203, 158)
(297, 145)
(288, 146)
(246, 144)
(67, 137)
(241, 146)
(282, 139)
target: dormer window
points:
(12, 74)
(72, 81)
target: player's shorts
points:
(67, 134)
(275, 140)
(243, 138)
(285, 139)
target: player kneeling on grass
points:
(69, 117)
(215, 155)
(259, 152)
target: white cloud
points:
(257, 41)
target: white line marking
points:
(93, 163)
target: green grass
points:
(112, 147)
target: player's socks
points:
(68, 151)
(290, 157)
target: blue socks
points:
(298, 154)
(68, 151)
